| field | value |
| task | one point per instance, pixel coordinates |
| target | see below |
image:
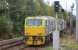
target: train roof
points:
(41, 17)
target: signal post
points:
(56, 37)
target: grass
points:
(49, 48)
(69, 44)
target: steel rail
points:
(5, 44)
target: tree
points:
(15, 12)
(19, 9)
(5, 27)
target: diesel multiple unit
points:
(38, 30)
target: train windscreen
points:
(34, 22)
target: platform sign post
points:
(56, 40)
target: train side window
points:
(51, 22)
(46, 23)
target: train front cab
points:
(34, 31)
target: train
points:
(38, 29)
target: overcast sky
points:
(66, 4)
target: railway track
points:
(17, 44)
(43, 47)
(6, 44)
(33, 48)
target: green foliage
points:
(5, 27)
(43, 9)
(37, 8)
(49, 11)
(2, 24)
(13, 17)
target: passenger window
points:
(46, 23)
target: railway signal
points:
(56, 44)
(56, 6)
